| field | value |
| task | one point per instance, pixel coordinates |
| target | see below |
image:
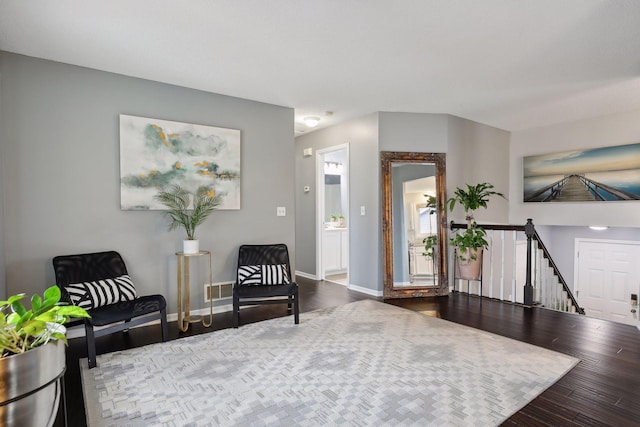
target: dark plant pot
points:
(470, 269)
(30, 386)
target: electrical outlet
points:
(281, 211)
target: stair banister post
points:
(529, 230)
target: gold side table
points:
(184, 312)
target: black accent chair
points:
(72, 269)
(266, 291)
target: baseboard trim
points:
(351, 287)
(367, 291)
(306, 275)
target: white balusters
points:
(504, 273)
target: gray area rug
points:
(361, 364)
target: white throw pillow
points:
(263, 275)
(90, 295)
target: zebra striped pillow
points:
(263, 275)
(90, 295)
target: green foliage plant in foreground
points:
(22, 330)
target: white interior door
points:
(607, 274)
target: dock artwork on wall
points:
(597, 174)
(156, 154)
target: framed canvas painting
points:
(593, 175)
(156, 154)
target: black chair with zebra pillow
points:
(99, 282)
(264, 277)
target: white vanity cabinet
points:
(334, 250)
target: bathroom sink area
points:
(331, 227)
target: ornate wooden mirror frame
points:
(389, 160)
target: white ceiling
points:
(506, 63)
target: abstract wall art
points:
(155, 154)
(597, 174)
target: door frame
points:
(320, 206)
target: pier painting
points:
(598, 174)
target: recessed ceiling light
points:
(598, 227)
(312, 121)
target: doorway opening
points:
(332, 214)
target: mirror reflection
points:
(414, 217)
(334, 197)
(414, 223)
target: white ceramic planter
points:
(190, 246)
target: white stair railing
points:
(504, 270)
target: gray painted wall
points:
(60, 174)
(425, 133)
(478, 153)
(362, 136)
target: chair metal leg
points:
(91, 344)
(126, 331)
(296, 309)
(236, 311)
(163, 325)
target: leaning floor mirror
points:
(414, 224)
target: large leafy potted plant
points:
(182, 213)
(32, 358)
(471, 241)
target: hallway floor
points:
(340, 279)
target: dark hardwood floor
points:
(603, 389)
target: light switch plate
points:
(362, 210)
(281, 211)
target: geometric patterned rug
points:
(364, 363)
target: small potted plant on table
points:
(178, 203)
